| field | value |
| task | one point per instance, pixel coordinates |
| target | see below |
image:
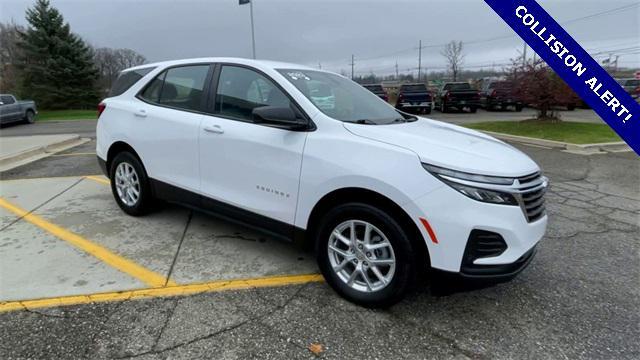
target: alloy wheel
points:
(127, 184)
(361, 256)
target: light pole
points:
(253, 36)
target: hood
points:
(451, 146)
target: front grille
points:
(531, 190)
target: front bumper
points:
(453, 216)
(103, 166)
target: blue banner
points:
(574, 65)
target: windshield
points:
(342, 99)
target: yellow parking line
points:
(98, 179)
(127, 266)
(178, 290)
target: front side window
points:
(7, 100)
(340, 98)
(179, 87)
(240, 90)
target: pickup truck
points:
(378, 90)
(499, 95)
(631, 86)
(458, 95)
(414, 97)
(12, 110)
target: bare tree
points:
(453, 53)
(111, 61)
(536, 84)
(10, 55)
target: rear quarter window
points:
(126, 79)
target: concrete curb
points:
(581, 149)
(36, 153)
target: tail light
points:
(385, 97)
(101, 108)
(494, 93)
(400, 98)
(447, 95)
(477, 96)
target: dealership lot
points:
(246, 295)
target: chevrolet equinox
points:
(306, 154)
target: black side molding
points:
(103, 166)
(224, 211)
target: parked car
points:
(499, 95)
(458, 95)
(377, 193)
(12, 110)
(631, 86)
(378, 90)
(414, 98)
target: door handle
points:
(216, 129)
(141, 113)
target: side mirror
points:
(275, 115)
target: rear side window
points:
(179, 87)
(126, 79)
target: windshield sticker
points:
(297, 75)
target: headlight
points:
(475, 186)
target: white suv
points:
(305, 154)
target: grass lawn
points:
(49, 115)
(570, 132)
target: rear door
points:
(251, 166)
(166, 124)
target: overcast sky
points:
(378, 33)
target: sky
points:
(327, 33)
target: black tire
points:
(144, 203)
(571, 107)
(30, 117)
(404, 274)
(473, 109)
(427, 110)
(518, 108)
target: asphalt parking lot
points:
(82, 280)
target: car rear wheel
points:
(30, 117)
(130, 185)
(473, 109)
(365, 255)
(443, 108)
(518, 108)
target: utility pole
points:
(615, 68)
(419, 59)
(524, 55)
(397, 76)
(352, 63)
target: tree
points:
(453, 53)
(111, 61)
(538, 85)
(10, 55)
(57, 65)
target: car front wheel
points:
(365, 255)
(130, 185)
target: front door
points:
(250, 166)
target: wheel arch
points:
(370, 197)
(118, 147)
